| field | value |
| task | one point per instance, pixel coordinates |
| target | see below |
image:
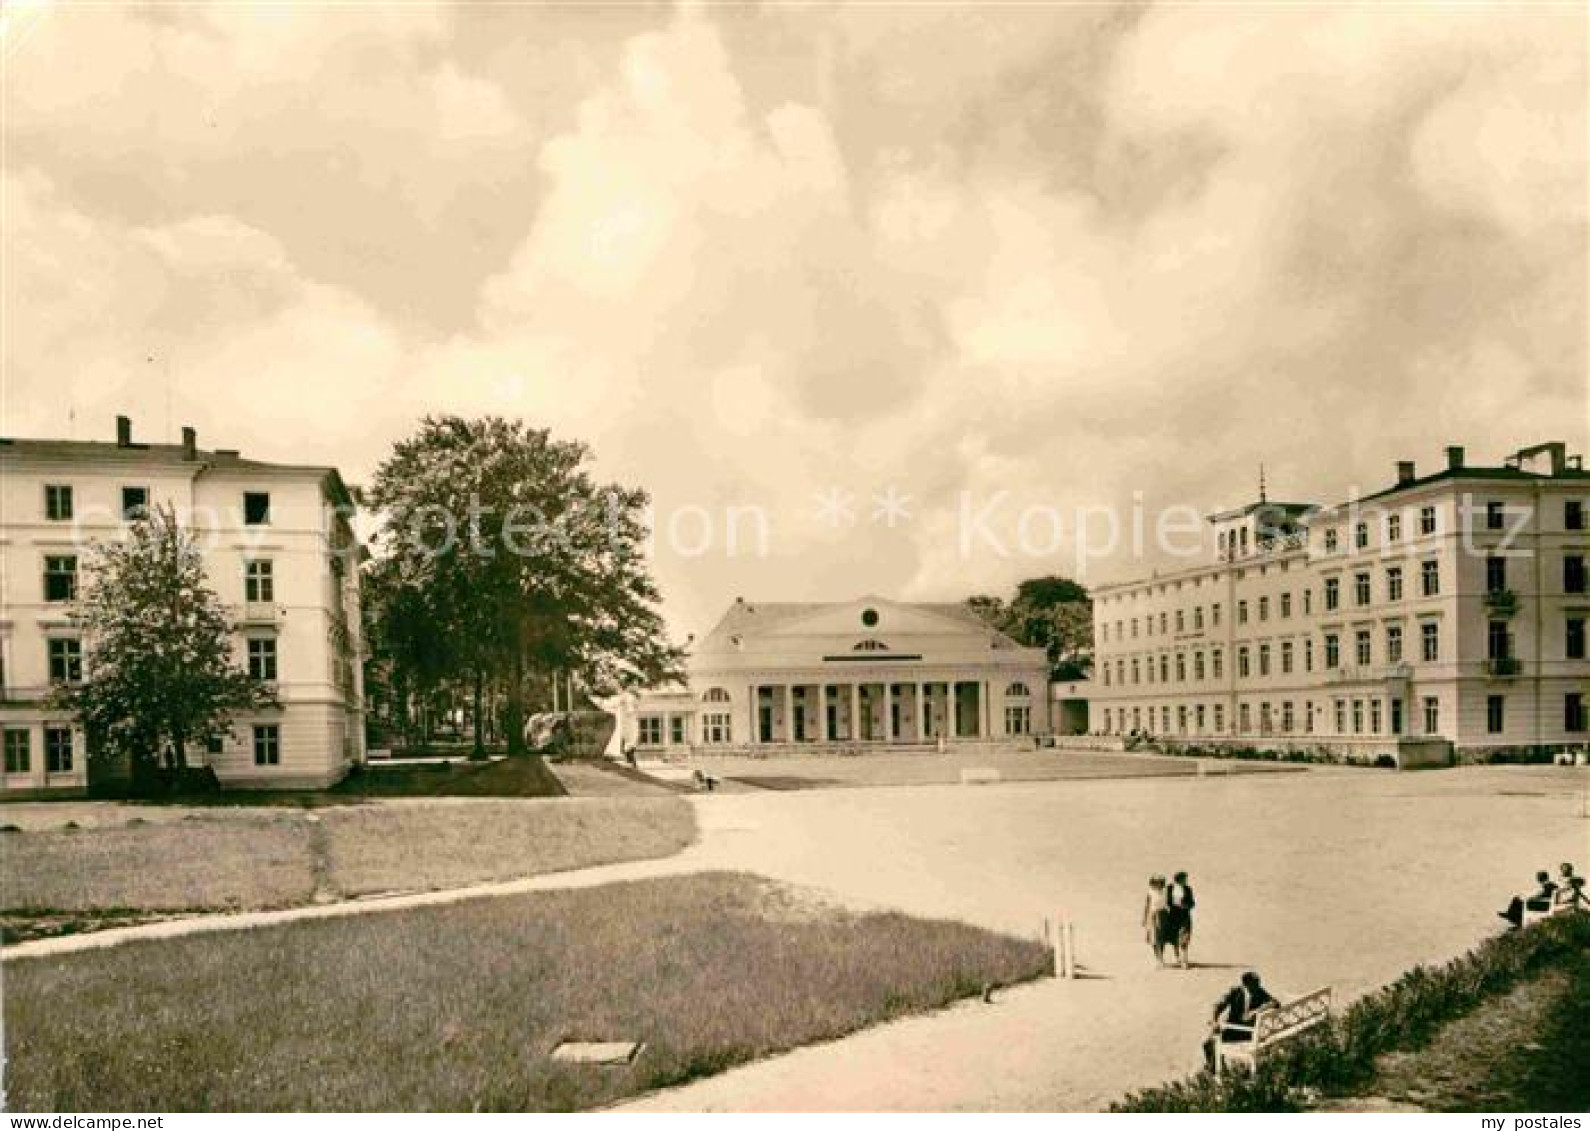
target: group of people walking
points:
(1167, 917)
(1566, 891)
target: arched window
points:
(871, 646)
(715, 695)
(1017, 691)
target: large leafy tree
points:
(1052, 613)
(518, 561)
(159, 668)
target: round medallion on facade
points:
(869, 617)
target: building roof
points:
(108, 451)
(1500, 474)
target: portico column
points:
(888, 712)
(789, 712)
(921, 723)
(822, 713)
(985, 710)
(854, 733)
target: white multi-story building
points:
(869, 672)
(1446, 613)
(279, 550)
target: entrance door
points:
(764, 722)
(1396, 716)
(833, 720)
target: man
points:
(1181, 909)
(1238, 1007)
(1540, 901)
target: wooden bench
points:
(704, 781)
(979, 775)
(1557, 906)
(1273, 1025)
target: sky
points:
(902, 295)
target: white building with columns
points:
(863, 673)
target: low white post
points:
(1070, 949)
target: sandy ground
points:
(1327, 877)
(1333, 878)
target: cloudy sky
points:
(993, 260)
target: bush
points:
(1404, 1015)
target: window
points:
(1215, 662)
(1574, 638)
(1495, 516)
(1361, 648)
(1333, 593)
(1430, 641)
(1198, 658)
(1426, 520)
(1264, 608)
(1242, 663)
(60, 577)
(1286, 717)
(1430, 578)
(1220, 717)
(1286, 657)
(215, 744)
(1495, 714)
(1358, 716)
(1164, 668)
(1198, 618)
(1308, 655)
(262, 658)
(1432, 714)
(1495, 574)
(715, 728)
(1333, 650)
(1361, 588)
(1308, 717)
(1497, 644)
(259, 581)
(1573, 515)
(1181, 667)
(1361, 536)
(57, 750)
(66, 659)
(57, 502)
(1137, 671)
(1181, 621)
(1264, 659)
(1164, 624)
(1573, 573)
(1244, 719)
(19, 752)
(649, 731)
(1330, 541)
(134, 502)
(1242, 612)
(1341, 716)
(267, 745)
(1573, 711)
(1394, 583)
(1018, 719)
(715, 695)
(1214, 614)
(256, 508)
(1394, 644)
(1393, 527)
(1286, 605)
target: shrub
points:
(1404, 1015)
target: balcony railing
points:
(1503, 666)
(1501, 603)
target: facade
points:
(279, 551)
(869, 672)
(1446, 613)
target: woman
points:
(1180, 898)
(1157, 918)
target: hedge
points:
(1335, 1057)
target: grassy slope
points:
(459, 1007)
(288, 858)
(1525, 1051)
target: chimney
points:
(1454, 458)
(190, 443)
(124, 431)
(1405, 473)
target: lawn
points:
(459, 1008)
(1525, 1051)
(287, 858)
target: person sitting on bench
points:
(1540, 901)
(706, 781)
(1237, 1008)
(1570, 888)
